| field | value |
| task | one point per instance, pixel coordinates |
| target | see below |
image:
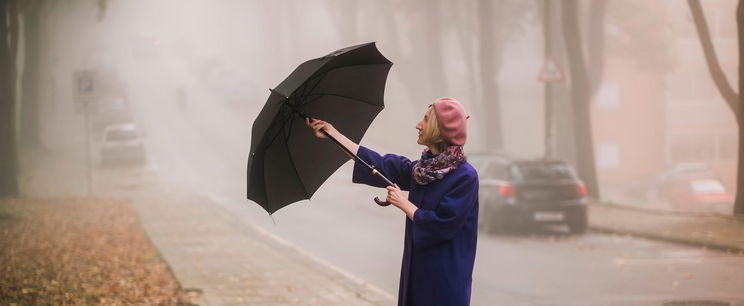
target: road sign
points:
(85, 87)
(551, 71)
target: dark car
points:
(522, 193)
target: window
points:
(608, 95)
(544, 171)
(496, 171)
(608, 156)
(116, 135)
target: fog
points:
(193, 75)
(226, 56)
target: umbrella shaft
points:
(341, 146)
(356, 158)
(338, 143)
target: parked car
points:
(689, 169)
(696, 193)
(109, 111)
(521, 193)
(121, 143)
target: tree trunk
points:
(466, 45)
(739, 204)
(580, 92)
(30, 131)
(490, 62)
(733, 100)
(595, 43)
(8, 49)
(412, 85)
(433, 52)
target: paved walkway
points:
(234, 263)
(208, 250)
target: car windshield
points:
(479, 162)
(543, 171)
(707, 187)
(488, 168)
(117, 135)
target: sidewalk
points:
(208, 250)
(716, 231)
(233, 263)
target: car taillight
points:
(581, 189)
(507, 190)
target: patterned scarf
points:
(434, 167)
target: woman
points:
(442, 205)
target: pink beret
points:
(452, 120)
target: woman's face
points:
(420, 127)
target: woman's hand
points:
(317, 125)
(395, 197)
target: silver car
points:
(121, 143)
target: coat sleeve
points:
(396, 168)
(432, 227)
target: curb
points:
(690, 242)
(659, 212)
(661, 215)
(195, 294)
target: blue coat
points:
(440, 242)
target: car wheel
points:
(486, 219)
(578, 221)
(503, 221)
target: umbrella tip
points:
(278, 93)
(272, 219)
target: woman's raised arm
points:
(317, 125)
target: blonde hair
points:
(431, 135)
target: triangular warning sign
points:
(551, 71)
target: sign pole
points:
(87, 145)
(550, 73)
(85, 90)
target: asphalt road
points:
(204, 146)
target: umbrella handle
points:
(389, 183)
(381, 203)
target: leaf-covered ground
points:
(79, 251)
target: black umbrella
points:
(287, 163)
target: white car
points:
(122, 143)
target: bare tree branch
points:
(719, 78)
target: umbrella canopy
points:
(287, 163)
